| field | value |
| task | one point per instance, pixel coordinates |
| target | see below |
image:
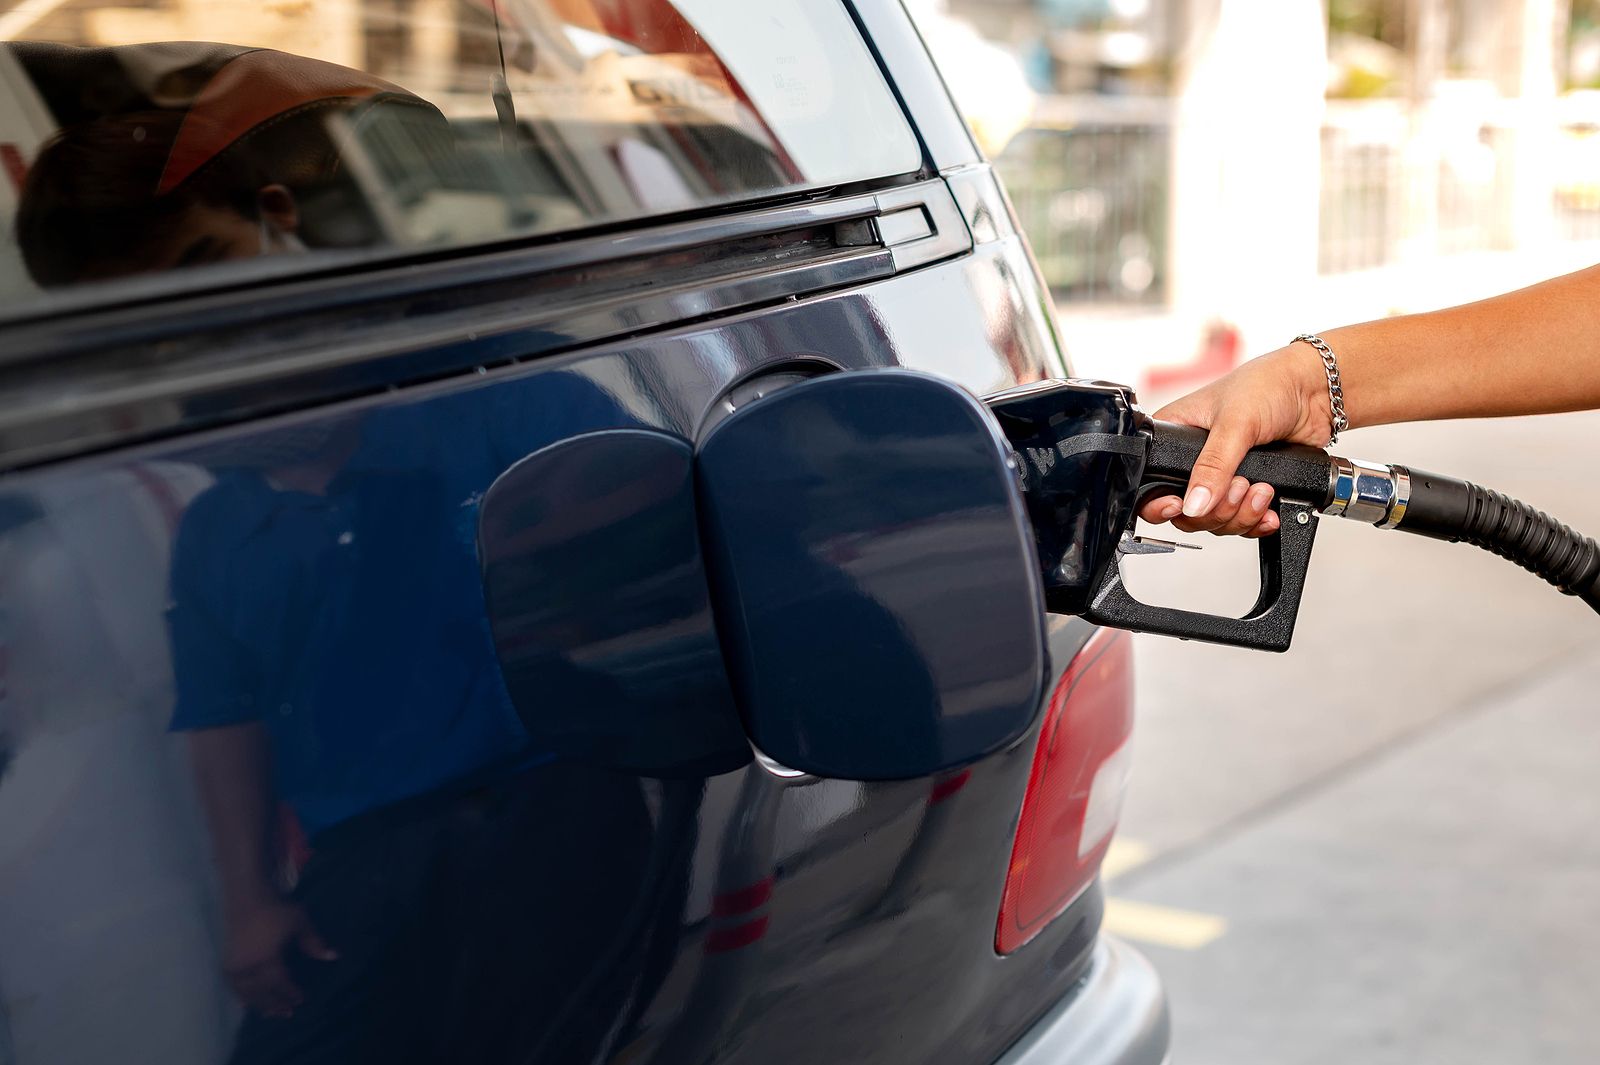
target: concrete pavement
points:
(1439, 903)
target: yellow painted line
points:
(1122, 855)
(1159, 926)
(1162, 926)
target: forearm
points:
(230, 767)
(1533, 351)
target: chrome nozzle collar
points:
(1369, 492)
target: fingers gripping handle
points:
(1293, 470)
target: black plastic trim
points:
(70, 384)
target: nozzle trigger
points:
(1149, 545)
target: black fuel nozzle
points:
(1088, 458)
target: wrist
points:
(1308, 383)
(1352, 344)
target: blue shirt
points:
(352, 623)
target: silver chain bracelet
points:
(1330, 366)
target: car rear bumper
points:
(1118, 1016)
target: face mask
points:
(275, 241)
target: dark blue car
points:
(434, 624)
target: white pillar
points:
(1527, 75)
(1246, 164)
(1423, 149)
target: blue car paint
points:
(325, 586)
(844, 907)
(597, 594)
(569, 911)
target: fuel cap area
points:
(872, 574)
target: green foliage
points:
(1382, 20)
(1361, 84)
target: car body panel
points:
(301, 529)
(1118, 1016)
(881, 898)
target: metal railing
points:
(1577, 195)
(1089, 181)
(1360, 197)
(1386, 182)
(1441, 183)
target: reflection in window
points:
(353, 125)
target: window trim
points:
(331, 267)
(75, 383)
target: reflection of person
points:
(177, 155)
(333, 653)
(1525, 352)
(325, 630)
(90, 211)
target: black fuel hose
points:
(1445, 508)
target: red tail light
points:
(1074, 792)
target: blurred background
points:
(1199, 176)
(1379, 846)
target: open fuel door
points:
(873, 576)
(843, 566)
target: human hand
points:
(254, 961)
(1279, 396)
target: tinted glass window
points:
(334, 126)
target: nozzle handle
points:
(1293, 470)
(1269, 624)
(1302, 482)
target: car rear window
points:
(340, 127)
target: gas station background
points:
(1202, 179)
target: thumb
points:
(1224, 449)
(311, 944)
